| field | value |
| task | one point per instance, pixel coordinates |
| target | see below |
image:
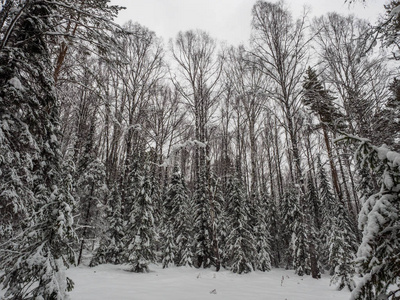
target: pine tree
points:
(240, 251)
(34, 261)
(321, 103)
(320, 100)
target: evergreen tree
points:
(202, 231)
(321, 103)
(328, 203)
(181, 219)
(377, 257)
(141, 235)
(337, 237)
(320, 100)
(224, 229)
(386, 127)
(342, 249)
(32, 182)
(288, 203)
(273, 222)
(314, 205)
(300, 240)
(262, 236)
(91, 193)
(130, 186)
(111, 248)
(168, 246)
(216, 201)
(388, 28)
(313, 222)
(240, 251)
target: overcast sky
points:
(226, 20)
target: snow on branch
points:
(187, 145)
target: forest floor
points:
(184, 283)
(107, 282)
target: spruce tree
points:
(342, 250)
(328, 203)
(91, 193)
(262, 236)
(240, 251)
(168, 247)
(386, 126)
(203, 234)
(141, 235)
(111, 248)
(216, 201)
(338, 241)
(300, 239)
(32, 183)
(287, 205)
(224, 229)
(377, 257)
(180, 219)
(273, 221)
(313, 222)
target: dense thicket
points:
(116, 148)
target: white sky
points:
(226, 20)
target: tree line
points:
(196, 153)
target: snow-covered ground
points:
(184, 283)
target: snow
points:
(395, 11)
(16, 83)
(382, 152)
(114, 282)
(187, 145)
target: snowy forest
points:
(122, 147)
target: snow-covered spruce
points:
(342, 245)
(140, 230)
(206, 250)
(337, 239)
(273, 222)
(111, 248)
(177, 243)
(262, 236)
(240, 246)
(91, 193)
(377, 260)
(32, 183)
